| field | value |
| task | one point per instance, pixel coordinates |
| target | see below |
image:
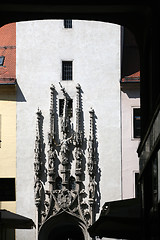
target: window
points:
(136, 123)
(69, 107)
(1, 60)
(7, 189)
(66, 70)
(68, 23)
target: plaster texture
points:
(94, 48)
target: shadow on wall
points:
(8, 92)
(11, 93)
(132, 92)
(19, 95)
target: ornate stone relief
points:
(65, 192)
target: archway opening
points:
(66, 232)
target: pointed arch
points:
(63, 226)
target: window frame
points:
(67, 23)
(133, 122)
(62, 70)
(2, 57)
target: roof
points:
(118, 219)
(8, 50)
(15, 221)
(133, 78)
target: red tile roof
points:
(135, 77)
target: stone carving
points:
(38, 192)
(51, 167)
(64, 150)
(66, 192)
(91, 165)
(37, 150)
(51, 161)
(78, 137)
(52, 113)
(38, 186)
(51, 142)
(65, 198)
(92, 189)
(65, 117)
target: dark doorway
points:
(66, 232)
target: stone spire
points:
(37, 150)
(38, 186)
(52, 112)
(91, 166)
(91, 147)
(66, 140)
(65, 117)
(51, 143)
(78, 138)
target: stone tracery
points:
(66, 193)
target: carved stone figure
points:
(78, 156)
(91, 157)
(65, 117)
(64, 198)
(78, 171)
(38, 192)
(37, 168)
(51, 159)
(64, 150)
(92, 189)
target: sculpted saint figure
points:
(92, 189)
(65, 148)
(52, 156)
(38, 190)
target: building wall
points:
(94, 48)
(8, 108)
(8, 138)
(130, 99)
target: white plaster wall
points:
(130, 163)
(94, 48)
